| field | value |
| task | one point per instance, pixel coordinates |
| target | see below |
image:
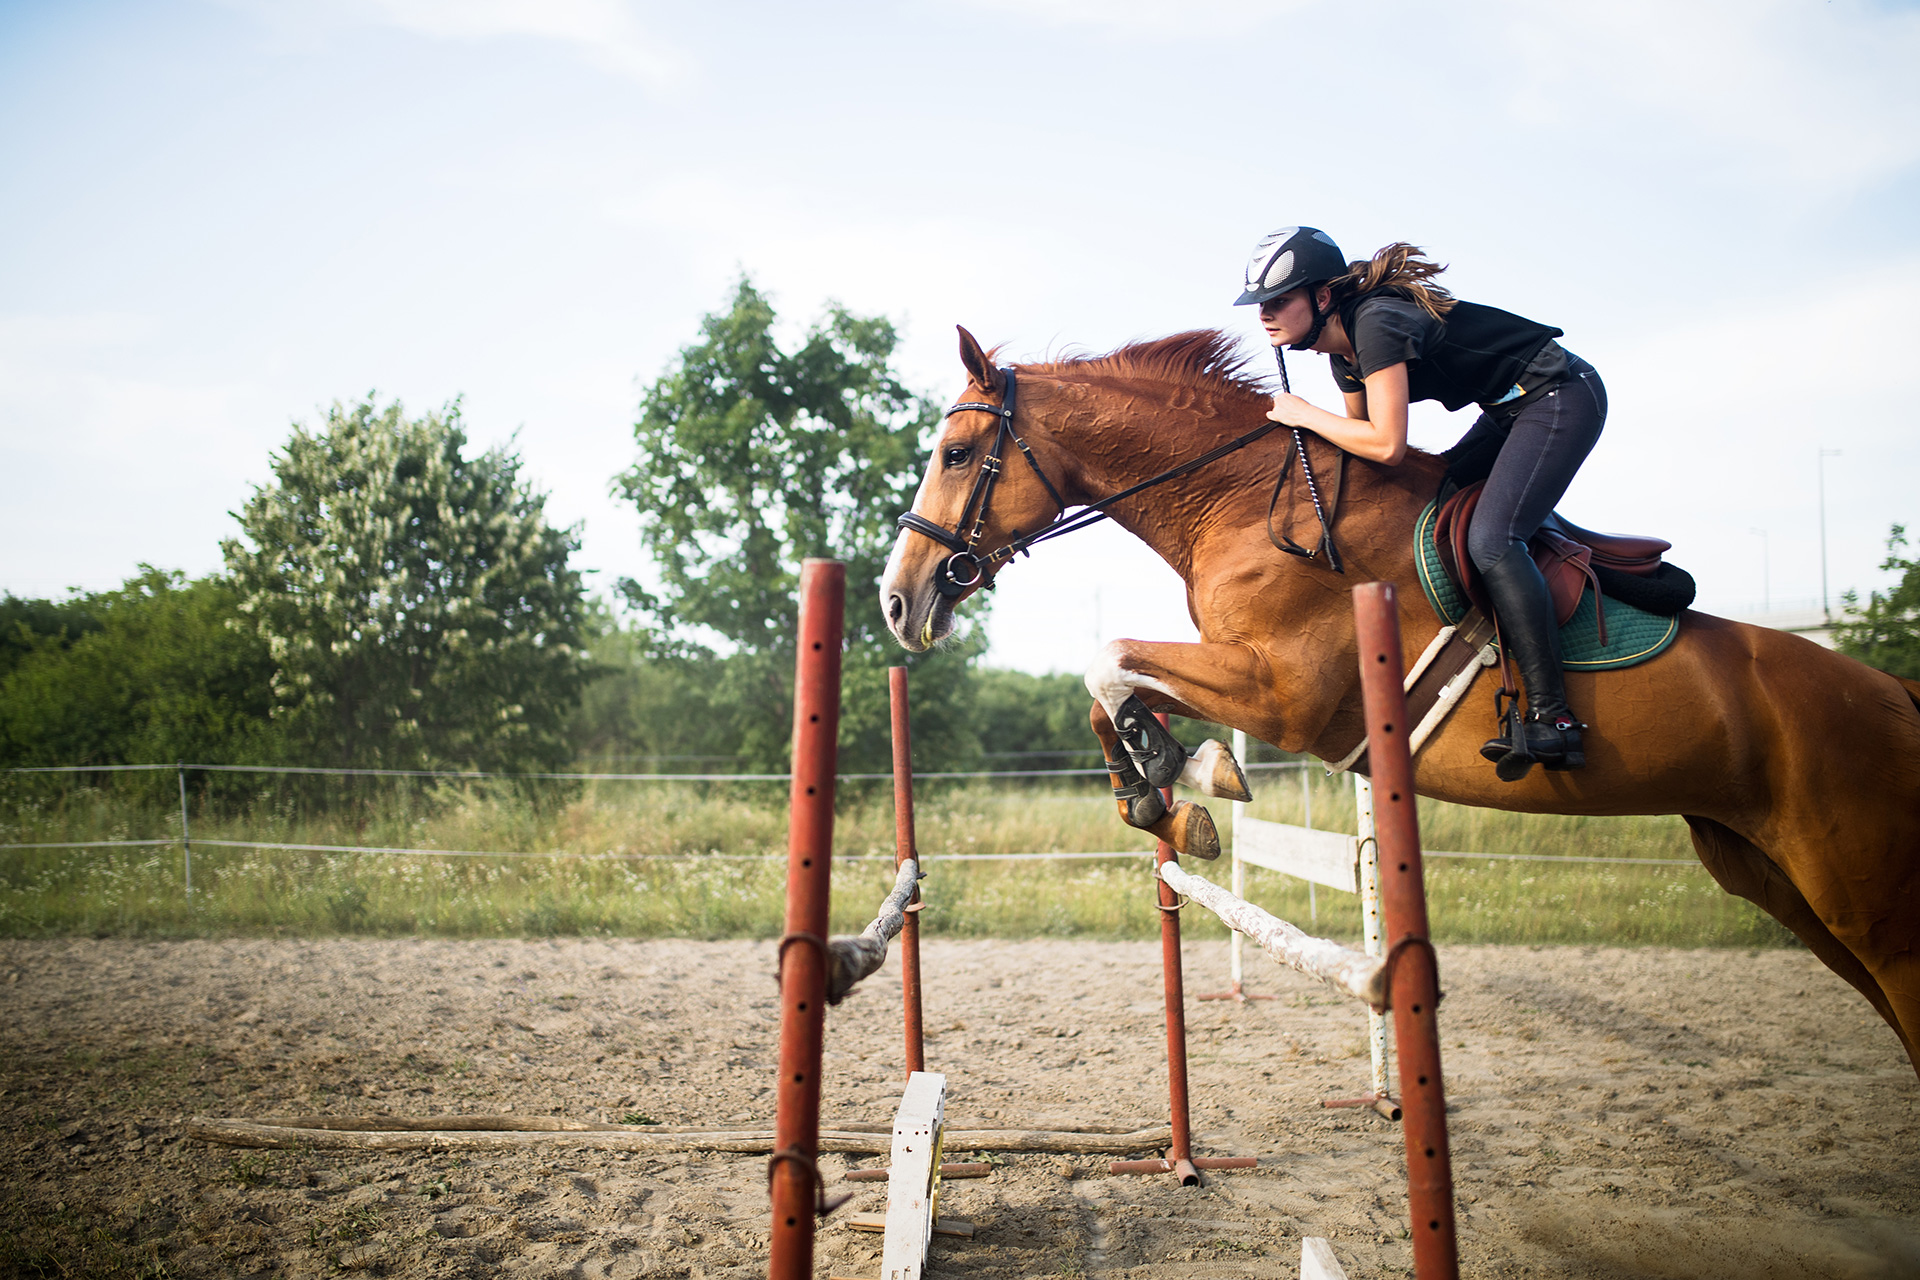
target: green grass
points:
(652, 860)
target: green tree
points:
(26, 624)
(419, 609)
(752, 459)
(159, 673)
(1886, 633)
(1037, 722)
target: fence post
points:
(792, 1176)
(1414, 973)
(186, 836)
(1370, 927)
(1239, 867)
(1306, 809)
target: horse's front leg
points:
(1186, 826)
(1131, 679)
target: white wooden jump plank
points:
(1317, 1261)
(1349, 972)
(911, 1185)
(1324, 857)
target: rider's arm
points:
(1376, 423)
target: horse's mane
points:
(1201, 359)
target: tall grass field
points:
(626, 859)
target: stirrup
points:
(1536, 739)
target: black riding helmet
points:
(1287, 259)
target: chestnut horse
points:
(1797, 769)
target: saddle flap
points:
(1626, 552)
(1450, 537)
(1568, 568)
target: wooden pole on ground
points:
(1415, 978)
(903, 849)
(792, 1177)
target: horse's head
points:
(973, 502)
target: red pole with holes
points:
(1173, 979)
(1414, 972)
(792, 1179)
(903, 849)
(1179, 1160)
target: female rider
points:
(1393, 337)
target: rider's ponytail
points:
(1402, 268)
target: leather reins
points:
(966, 568)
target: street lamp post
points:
(1820, 468)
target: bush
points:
(1886, 633)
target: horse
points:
(1796, 769)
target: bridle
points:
(966, 568)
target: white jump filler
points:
(913, 1186)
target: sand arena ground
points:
(1615, 1113)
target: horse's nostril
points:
(896, 608)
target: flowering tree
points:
(418, 608)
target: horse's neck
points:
(1114, 440)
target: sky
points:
(221, 216)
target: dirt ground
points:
(1615, 1113)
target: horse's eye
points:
(957, 456)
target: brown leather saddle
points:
(1570, 558)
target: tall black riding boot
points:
(1549, 735)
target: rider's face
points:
(1287, 318)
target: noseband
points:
(966, 568)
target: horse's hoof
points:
(1212, 771)
(1189, 829)
(1148, 743)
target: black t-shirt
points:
(1476, 354)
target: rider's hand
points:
(1290, 410)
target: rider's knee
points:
(1486, 545)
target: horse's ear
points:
(979, 367)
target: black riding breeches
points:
(1546, 441)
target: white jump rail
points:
(1350, 973)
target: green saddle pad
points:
(1633, 635)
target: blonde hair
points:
(1402, 268)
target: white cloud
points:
(1151, 18)
(604, 33)
(1817, 94)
